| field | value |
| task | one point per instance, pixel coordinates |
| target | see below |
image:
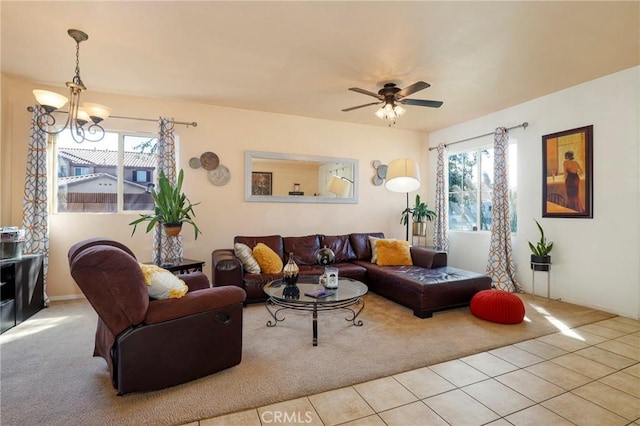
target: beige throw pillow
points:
(245, 254)
(162, 284)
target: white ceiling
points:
(301, 57)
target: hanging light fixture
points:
(390, 111)
(78, 116)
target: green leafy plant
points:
(543, 247)
(172, 207)
(419, 212)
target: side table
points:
(184, 266)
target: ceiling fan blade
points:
(412, 89)
(360, 106)
(420, 102)
(365, 92)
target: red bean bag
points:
(497, 306)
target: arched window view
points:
(471, 189)
(109, 176)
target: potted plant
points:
(172, 208)
(540, 259)
(420, 215)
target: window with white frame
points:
(109, 176)
(471, 189)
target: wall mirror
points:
(292, 178)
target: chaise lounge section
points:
(426, 287)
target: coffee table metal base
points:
(276, 306)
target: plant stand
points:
(533, 278)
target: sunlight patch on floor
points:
(30, 327)
(562, 327)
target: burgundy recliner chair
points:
(153, 344)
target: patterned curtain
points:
(35, 212)
(440, 238)
(166, 249)
(500, 264)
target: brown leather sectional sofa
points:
(426, 287)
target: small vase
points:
(172, 229)
(290, 271)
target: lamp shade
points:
(50, 99)
(339, 186)
(97, 111)
(403, 175)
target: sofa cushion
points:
(273, 241)
(393, 253)
(340, 246)
(269, 261)
(162, 284)
(361, 245)
(245, 254)
(303, 248)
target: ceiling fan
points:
(391, 97)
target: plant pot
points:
(172, 229)
(540, 259)
(420, 228)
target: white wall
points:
(596, 262)
(223, 213)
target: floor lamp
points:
(403, 175)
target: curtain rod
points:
(523, 125)
(186, 123)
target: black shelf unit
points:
(21, 289)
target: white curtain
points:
(166, 249)
(500, 263)
(440, 237)
(35, 212)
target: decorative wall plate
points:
(209, 160)
(219, 176)
(195, 163)
(381, 171)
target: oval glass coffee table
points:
(347, 296)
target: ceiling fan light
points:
(97, 112)
(49, 100)
(399, 110)
(380, 113)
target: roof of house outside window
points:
(107, 158)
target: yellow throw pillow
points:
(394, 253)
(162, 284)
(269, 261)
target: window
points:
(109, 176)
(80, 171)
(471, 189)
(142, 176)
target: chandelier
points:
(78, 116)
(390, 111)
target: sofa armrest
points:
(195, 280)
(193, 303)
(428, 258)
(226, 268)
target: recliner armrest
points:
(428, 258)
(195, 280)
(193, 303)
(226, 268)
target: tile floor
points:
(589, 375)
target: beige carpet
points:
(48, 376)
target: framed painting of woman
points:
(567, 175)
